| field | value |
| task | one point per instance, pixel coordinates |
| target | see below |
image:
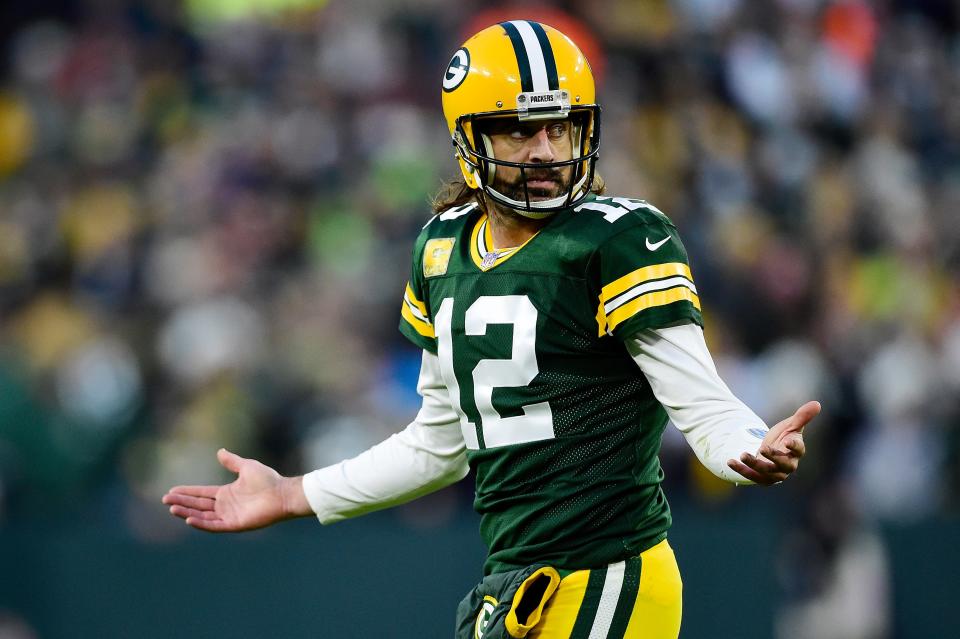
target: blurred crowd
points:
(206, 225)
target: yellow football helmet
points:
(526, 70)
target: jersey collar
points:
(481, 246)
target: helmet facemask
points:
(475, 150)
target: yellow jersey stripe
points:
(418, 325)
(641, 275)
(650, 300)
(474, 238)
(416, 312)
(410, 297)
(647, 287)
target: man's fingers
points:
(786, 465)
(758, 463)
(757, 470)
(200, 503)
(787, 454)
(214, 525)
(770, 452)
(207, 520)
(802, 417)
(780, 452)
(230, 461)
(195, 491)
(184, 512)
(745, 471)
(762, 478)
(796, 446)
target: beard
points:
(514, 189)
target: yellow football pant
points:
(639, 598)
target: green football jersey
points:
(559, 422)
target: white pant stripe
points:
(608, 600)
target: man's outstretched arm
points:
(260, 496)
(426, 456)
(727, 437)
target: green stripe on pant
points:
(591, 600)
(628, 598)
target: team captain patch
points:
(436, 256)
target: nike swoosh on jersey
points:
(656, 245)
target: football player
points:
(560, 329)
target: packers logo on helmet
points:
(457, 69)
(527, 71)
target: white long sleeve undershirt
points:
(426, 456)
(430, 453)
(684, 379)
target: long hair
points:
(456, 193)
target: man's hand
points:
(260, 496)
(780, 451)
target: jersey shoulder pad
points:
(444, 228)
(452, 218)
(432, 253)
(640, 270)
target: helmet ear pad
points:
(469, 173)
(484, 147)
(468, 166)
(487, 148)
(580, 143)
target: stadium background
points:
(206, 213)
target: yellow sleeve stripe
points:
(422, 327)
(640, 275)
(410, 297)
(647, 287)
(608, 323)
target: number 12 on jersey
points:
(536, 422)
